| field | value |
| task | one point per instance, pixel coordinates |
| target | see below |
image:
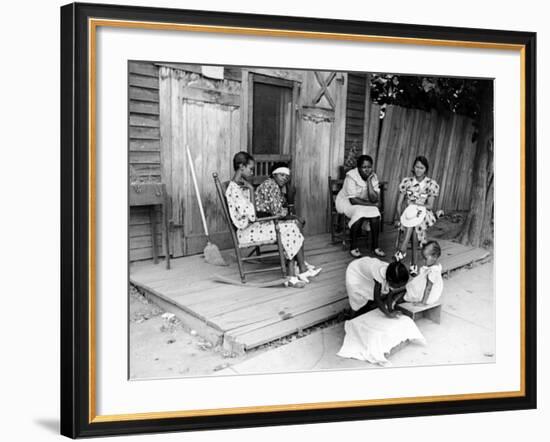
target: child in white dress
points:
(427, 287)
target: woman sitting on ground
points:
(358, 200)
(241, 202)
(421, 191)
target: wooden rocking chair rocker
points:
(257, 253)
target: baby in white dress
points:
(427, 287)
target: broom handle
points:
(197, 191)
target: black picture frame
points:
(77, 418)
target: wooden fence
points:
(445, 140)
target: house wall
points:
(211, 117)
(355, 112)
(319, 144)
(144, 151)
(174, 105)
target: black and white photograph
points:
(275, 221)
(285, 220)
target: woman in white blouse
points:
(358, 200)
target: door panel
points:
(210, 132)
(205, 115)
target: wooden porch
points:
(246, 317)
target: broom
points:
(212, 254)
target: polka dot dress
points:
(250, 233)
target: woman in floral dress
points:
(274, 197)
(272, 194)
(422, 191)
(251, 231)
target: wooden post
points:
(152, 218)
(244, 109)
(250, 113)
(166, 228)
(338, 136)
(366, 121)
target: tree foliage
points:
(444, 94)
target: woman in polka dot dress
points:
(240, 199)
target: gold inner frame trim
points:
(295, 407)
(93, 24)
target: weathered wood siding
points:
(144, 150)
(175, 105)
(445, 140)
(355, 111)
(319, 146)
(312, 168)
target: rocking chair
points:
(257, 253)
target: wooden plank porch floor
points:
(246, 317)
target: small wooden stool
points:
(153, 195)
(431, 312)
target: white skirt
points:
(354, 211)
(372, 336)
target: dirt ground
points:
(162, 347)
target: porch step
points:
(237, 342)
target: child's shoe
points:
(399, 256)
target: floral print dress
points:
(418, 192)
(252, 233)
(270, 199)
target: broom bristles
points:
(213, 256)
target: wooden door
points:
(211, 132)
(204, 115)
(271, 129)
